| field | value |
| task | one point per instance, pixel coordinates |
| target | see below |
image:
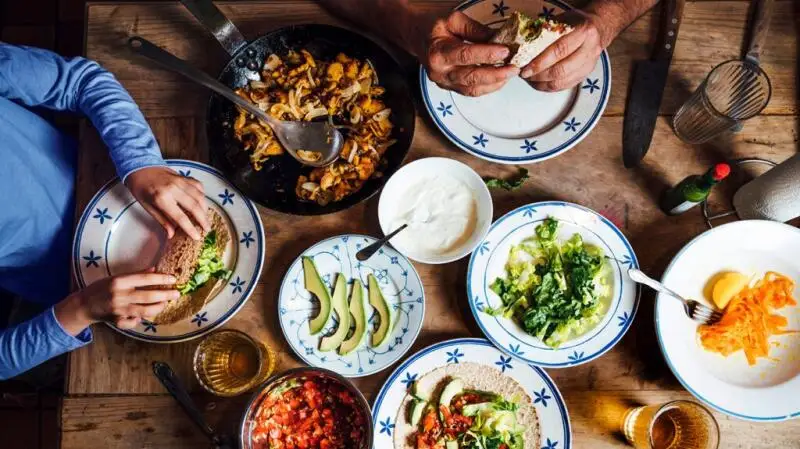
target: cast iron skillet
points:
(274, 185)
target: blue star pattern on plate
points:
(200, 318)
(445, 109)
(550, 444)
(623, 319)
(547, 13)
(483, 248)
(102, 215)
(529, 211)
(504, 363)
(626, 261)
(247, 239)
(91, 260)
(591, 85)
(185, 173)
(237, 285)
(227, 197)
(479, 304)
(149, 326)
(480, 140)
(409, 379)
(575, 357)
(515, 349)
(499, 8)
(571, 125)
(541, 396)
(454, 355)
(387, 426)
(528, 146)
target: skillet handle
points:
(223, 29)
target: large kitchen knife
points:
(647, 87)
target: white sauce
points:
(441, 213)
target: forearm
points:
(30, 343)
(616, 15)
(395, 20)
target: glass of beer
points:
(230, 362)
(674, 425)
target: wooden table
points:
(112, 399)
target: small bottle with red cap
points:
(693, 190)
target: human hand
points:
(568, 60)
(465, 67)
(118, 299)
(171, 199)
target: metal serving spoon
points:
(319, 142)
(694, 310)
(418, 216)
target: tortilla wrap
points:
(523, 48)
(475, 377)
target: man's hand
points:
(465, 67)
(117, 299)
(567, 61)
(173, 200)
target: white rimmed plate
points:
(554, 426)
(767, 391)
(518, 124)
(394, 191)
(399, 283)
(488, 263)
(115, 235)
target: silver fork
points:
(693, 309)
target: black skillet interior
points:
(274, 185)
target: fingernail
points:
(501, 54)
(172, 279)
(513, 72)
(526, 73)
(175, 295)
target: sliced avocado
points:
(315, 285)
(451, 444)
(359, 317)
(376, 299)
(450, 391)
(339, 304)
(417, 394)
(474, 409)
(417, 409)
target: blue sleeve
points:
(30, 343)
(36, 77)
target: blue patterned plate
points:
(115, 235)
(554, 427)
(399, 282)
(518, 124)
(488, 263)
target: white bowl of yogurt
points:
(445, 204)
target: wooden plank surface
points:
(144, 422)
(711, 32)
(115, 401)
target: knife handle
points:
(759, 28)
(671, 15)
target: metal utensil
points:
(312, 143)
(694, 310)
(167, 378)
(734, 91)
(368, 251)
(647, 88)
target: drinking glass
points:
(230, 362)
(734, 91)
(674, 425)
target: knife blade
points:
(647, 88)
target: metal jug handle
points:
(220, 26)
(708, 217)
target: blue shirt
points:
(37, 184)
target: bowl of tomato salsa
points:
(307, 408)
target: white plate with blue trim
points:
(488, 263)
(554, 426)
(518, 124)
(115, 235)
(399, 282)
(768, 390)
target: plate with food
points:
(355, 318)
(549, 284)
(216, 275)
(466, 394)
(305, 73)
(518, 124)
(747, 365)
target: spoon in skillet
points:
(316, 144)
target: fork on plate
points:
(694, 310)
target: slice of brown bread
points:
(179, 259)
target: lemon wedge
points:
(727, 286)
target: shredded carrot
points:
(748, 321)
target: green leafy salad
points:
(553, 290)
(209, 265)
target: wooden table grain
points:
(112, 398)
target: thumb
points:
(463, 26)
